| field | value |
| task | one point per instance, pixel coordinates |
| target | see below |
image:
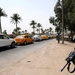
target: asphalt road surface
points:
(9, 56)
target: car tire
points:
(32, 41)
(13, 45)
(25, 43)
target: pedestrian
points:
(58, 37)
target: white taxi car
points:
(6, 41)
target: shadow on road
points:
(5, 48)
(26, 44)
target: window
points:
(5, 37)
(26, 36)
(1, 37)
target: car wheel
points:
(13, 45)
(25, 43)
(32, 41)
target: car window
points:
(25, 36)
(5, 37)
(1, 37)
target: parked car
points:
(37, 38)
(49, 36)
(53, 35)
(44, 37)
(6, 41)
(23, 39)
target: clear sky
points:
(38, 10)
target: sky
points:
(38, 10)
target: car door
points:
(6, 40)
(28, 39)
(2, 43)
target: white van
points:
(6, 41)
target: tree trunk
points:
(33, 30)
(62, 24)
(16, 29)
(39, 30)
(0, 26)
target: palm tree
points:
(25, 31)
(57, 29)
(5, 32)
(37, 31)
(17, 30)
(52, 20)
(2, 13)
(39, 25)
(42, 31)
(22, 32)
(33, 23)
(15, 18)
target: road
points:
(9, 56)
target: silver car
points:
(6, 41)
(49, 36)
(37, 38)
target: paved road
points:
(9, 56)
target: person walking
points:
(58, 37)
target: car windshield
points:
(43, 35)
(36, 35)
(19, 37)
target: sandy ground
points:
(47, 60)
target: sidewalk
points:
(48, 60)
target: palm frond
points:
(2, 13)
